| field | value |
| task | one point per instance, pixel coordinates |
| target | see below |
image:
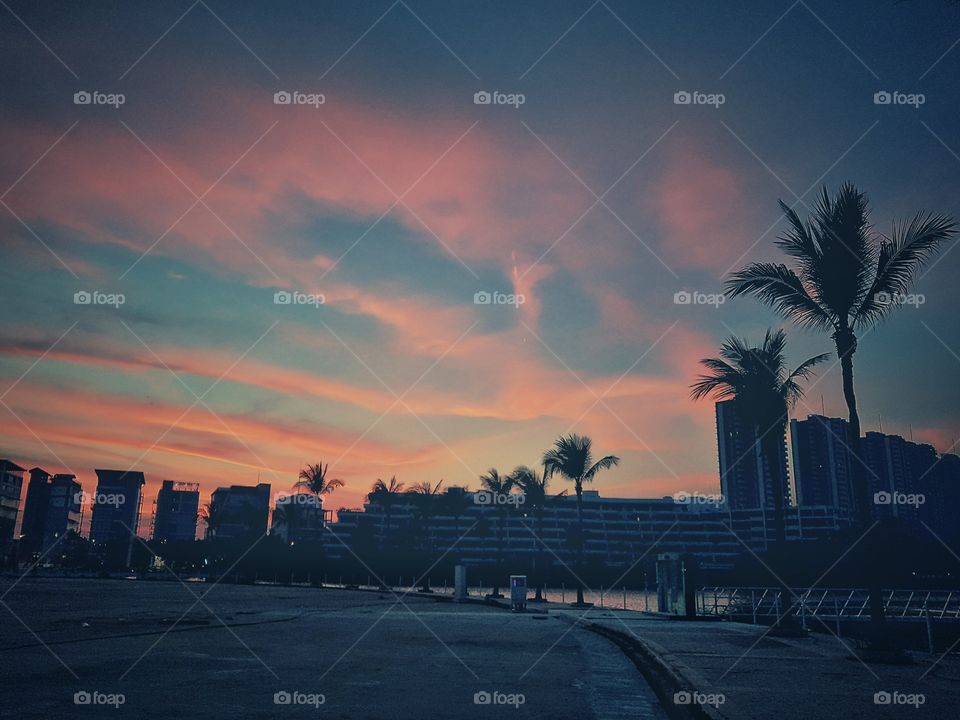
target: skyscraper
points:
(896, 471)
(823, 463)
(176, 514)
(116, 514)
(11, 483)
(52, 509)
(745, 478)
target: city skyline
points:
(311, 199)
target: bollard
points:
(563, 593)
(926, 614)
(624, 597)
(753, 605)
(601, 596)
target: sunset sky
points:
(399, 198)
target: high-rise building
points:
(823, 463)
(239, 511)
(11, 483)
(176, 512)
(52, 509)
(34, 513)
(899, 472)
(116, 513)
(745, 478)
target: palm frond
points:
(779, 287)
(910, 247)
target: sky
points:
(584, 188)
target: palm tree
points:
(572, 457)
(313, 478)
(497, 486)
(846, 276)
(385, 495)
(533, 485)
(424, 497)
(756, 379)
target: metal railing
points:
(766, 604)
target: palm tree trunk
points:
(538, 559)
(580, 543)
(496, 574)
(846, 347)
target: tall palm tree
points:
(385, 494)
(756, 379)
(498, 485)
(313, 478)
(424, 497)
(846, 276)
(572, 457)
(533, 485)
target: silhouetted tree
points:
(497, 486)
(572, 457)
(756, 379)
(847, 279)
(425, 497)
(533, 485)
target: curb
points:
(664, 678)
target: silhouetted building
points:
(34, 512)
(745, 479)
(298, 518)
(116, 514)
(175, 517)
(894, 468)
(11, 483)
(241, 511)
(619, 531)
(940, 513)
(51, 510)
(823, 463)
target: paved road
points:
(768, 678)
(365, 654)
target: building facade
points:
(176, 512)
(11, 485)
(823, 463)
(298, 518)
(745, 478)
(240, 511)
(618, 531)
(115, 517)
